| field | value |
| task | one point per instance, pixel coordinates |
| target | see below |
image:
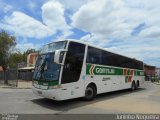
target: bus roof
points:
(98, 47)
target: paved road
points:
(144, 100)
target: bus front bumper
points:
(50, 93)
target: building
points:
(31, 59)
(150, 72)
(26, 73)
(158, 73)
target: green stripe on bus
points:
(106, 70)
(138, 73)
(47, 83)
(88, 68)
(128, 71)
(103, 70)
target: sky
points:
(127, 27)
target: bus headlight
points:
(54, 87)
(35, 83)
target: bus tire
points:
(133, 86)
(137, 84)
(90, 93)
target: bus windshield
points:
(45, 68)
(53, 46)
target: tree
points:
(7, 43)
(14, 59)
(30, 51)
(19, 57)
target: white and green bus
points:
(71, 69)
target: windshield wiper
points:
(42, 68)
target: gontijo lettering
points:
(105, 71)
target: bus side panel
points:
(75, 89)
(72, 90)
(97, 80)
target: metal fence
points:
(25, 75)
(12, 76)
(2, 77)
(9, 77)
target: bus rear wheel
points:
(90, 93)
(137, 84)
(133, 86)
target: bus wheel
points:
(90, 93)
(137, 84)
(133, 86)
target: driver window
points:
(73, 62)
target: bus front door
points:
(72, 70)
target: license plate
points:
(39, 92)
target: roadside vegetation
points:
(9, 54)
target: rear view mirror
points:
(58, 57)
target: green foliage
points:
(19, 57)
(8, 57)
(14, 59)
(30, 51)
(7, 42)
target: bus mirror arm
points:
(58, 59)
